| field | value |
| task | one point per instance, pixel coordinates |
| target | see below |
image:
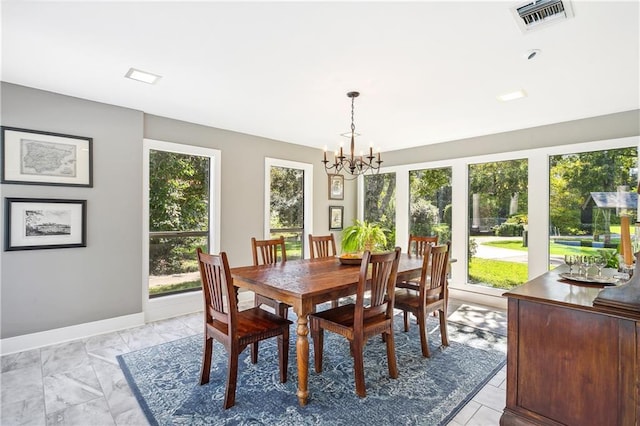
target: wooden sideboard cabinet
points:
(568, 362)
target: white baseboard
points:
(495, 301)
(65, 334)
(172, 306)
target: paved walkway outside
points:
(490, 252)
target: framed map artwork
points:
(31, 157)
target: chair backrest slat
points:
(420, 244)
(265, 252)
(322, 246)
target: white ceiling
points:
(428, 72)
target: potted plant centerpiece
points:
(361, 236)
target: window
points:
(181, 214)
(430, 203)
(498, 218)
(288, 211)
(508, 209)
(588, 200)
(380, 203)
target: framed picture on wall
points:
(336, 187)
(38, 223)
(336, 216)
(32, 157)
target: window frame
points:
(308, 197)
(181, 303)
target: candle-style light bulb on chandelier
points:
(352, 165)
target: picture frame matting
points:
(42, 223)
(33, 157)
(336, 218)
(336, 187)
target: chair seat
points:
(254, 324)
(341, 319)
(410, 298)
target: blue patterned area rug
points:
(428, 391)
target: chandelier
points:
(353, 165)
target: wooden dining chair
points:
(417, 246)
(323, 246)
(233, 328)
(431, 295)
(420, 244)
(364, 319)
(265, 252)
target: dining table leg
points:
(302, 356)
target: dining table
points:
(305, 283)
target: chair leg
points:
(283, 310)
(334, 303)
(206, 360)
(358, 368)
(406, 320)
(283, 356)
(232, 378)
(317, 334)
(254, 353)
(443, 326)
(422, 326)
(391, 355)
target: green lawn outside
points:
(169, 288)
(497, 273)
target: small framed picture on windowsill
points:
(336, 216)
(336, 187)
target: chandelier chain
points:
(353, 126)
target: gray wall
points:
(48, 289)
(242, 198)
(612, 126)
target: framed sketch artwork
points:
(38, 223)
(336, 187)
(336, 216)
(32, 157)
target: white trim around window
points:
(308, 195)
(179, 304)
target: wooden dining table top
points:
(311, 278)
(303, 284)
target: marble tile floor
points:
(79, 383)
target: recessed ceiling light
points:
(512, 95)
(145, 77)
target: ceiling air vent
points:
(540, 13)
